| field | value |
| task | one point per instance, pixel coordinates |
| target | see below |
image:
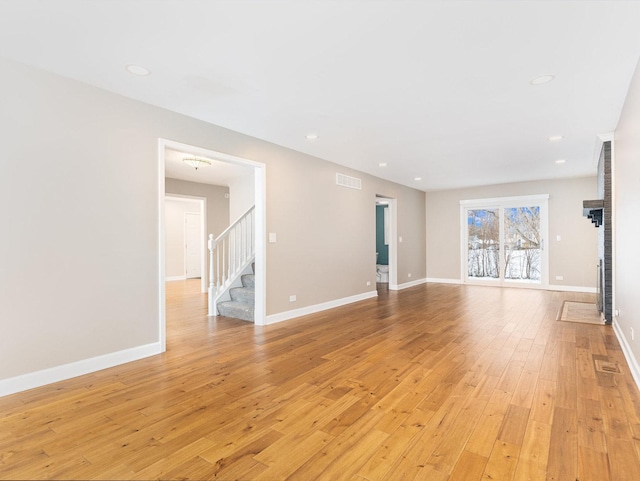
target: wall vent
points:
(346, 181)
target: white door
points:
(193, 245)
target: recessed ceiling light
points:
(311, 136)
(543, 79)
(382, 164)
(560, 161)
(555, 138)
(417, 178)
(137, 70)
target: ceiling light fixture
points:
(417, 178)
(555, 138)
(543, 79)
(137, 70)
(312, 137)
(382, 164)
(196, 162)
(560, 161)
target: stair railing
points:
(229, 255)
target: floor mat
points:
(585, 312)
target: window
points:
(503, 241)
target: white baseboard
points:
(591, 290)
(304, 311)
(399, 287)
(67, 371)
(634, 366)
(444, 281)
(551, 287)
(175, 278)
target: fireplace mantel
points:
(593, 209)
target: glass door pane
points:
(483, 244)
(522, 244)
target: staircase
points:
(242, 303)
(231, 270)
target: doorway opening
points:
(185, 233)
(258, 191)
(386, 246)
(503, 241)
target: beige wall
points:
(80, 273)
(242, 194)
(626, 185)
(217, 201)
(574, 257)
(328, 232)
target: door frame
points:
(260, 227)
(393, 239)
(500, 203)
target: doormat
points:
(584, 312)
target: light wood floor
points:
(435, 382)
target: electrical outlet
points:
(293, 298)
(368, 283)
(559, 278)
(409, 275)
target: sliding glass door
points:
(483, 243)
(503, 241)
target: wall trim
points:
(444, 281)
(304, 311)
(551, 287)
(176, 278)
(399, 287)
(85, 366)
(634, 366)
(555, 287)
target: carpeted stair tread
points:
(249, 280)
(243, 294)
(238, 310)
(242, 303)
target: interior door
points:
(193, 245)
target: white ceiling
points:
(436, 89)
(217, 173)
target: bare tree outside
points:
(483, 243)
(521, 244)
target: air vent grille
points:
(346, 181)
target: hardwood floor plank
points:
(469, 467)
(439, 382)
(563, 445)
(502, 461)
